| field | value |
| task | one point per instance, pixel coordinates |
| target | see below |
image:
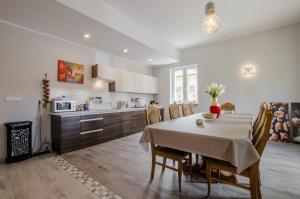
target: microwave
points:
(62, 106)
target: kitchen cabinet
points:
(133, 122)
(127, 81)
(112, 125)
(65, 133)
(137, 86)
(124, 81)
(105, 73)
(91, 130)
(71, 133)
(155, 85)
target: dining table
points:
(226, 138)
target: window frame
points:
(172, 83)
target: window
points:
(184, 84)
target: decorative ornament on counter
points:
(46, 92)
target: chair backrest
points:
(258, 125)
(174, 111)
(193, 108)
(258, 118)
(228, 107)
(180, 110)
(153, 115)
(187, 109)
(264, 132)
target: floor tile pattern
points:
(95, 187)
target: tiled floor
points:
(123, 167)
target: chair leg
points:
(258, 190)
(258, 187)
(153, 166)
(164, 164)
(208, 177)
(253, 184)
(191, 165)
(179, 174)
(197, 158)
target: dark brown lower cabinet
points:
(75, 132)
(112, 125)
(65, 133)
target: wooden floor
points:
(124, 167)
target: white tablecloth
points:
(227, 138)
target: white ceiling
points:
(153, 29)
(56, 19)
(179, 21)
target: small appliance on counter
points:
(94, 103)
(153, 102)
(136, 102)
(58, 105)
(122, 104)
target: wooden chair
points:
(174, 111)
(193, 108)
(258, 118)
(180, 109)
(172, 154)
(153, 116)
(228, 107)
(259, 122)
(187, 109)
(252, 172)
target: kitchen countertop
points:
(100, 111)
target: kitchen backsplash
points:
(108, 98)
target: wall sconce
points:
(248, 71)
(97, 84)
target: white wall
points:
(25, 57)
(275, 53)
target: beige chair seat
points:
(168, 152)
(226, 166)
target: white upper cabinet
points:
(155, 85)
(124, 81)
(104, 72)
(145, 84)
(137, 83)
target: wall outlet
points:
(13, 99)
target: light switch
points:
(13, 99)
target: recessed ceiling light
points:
(125, 50)
(150, 60)
(86, 35)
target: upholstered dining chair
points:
(228, 107)
(153, 116)
(193, 108)
(187, 109)
(252, 172)
(174, 111)
(180, 109)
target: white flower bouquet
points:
(215, 90)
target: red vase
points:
(215, 107)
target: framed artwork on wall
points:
(280, 130)
(70, 72)
(295, 110)
(295, 114)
